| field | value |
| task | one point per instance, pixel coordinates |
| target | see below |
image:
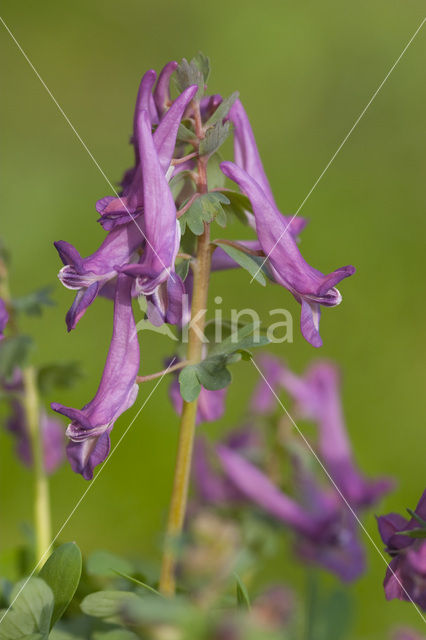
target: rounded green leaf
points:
(106, 604)
(62, 573)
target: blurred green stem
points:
(32, 414)
(201, 270)
(41, 487)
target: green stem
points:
(201, 269)
(41, 487)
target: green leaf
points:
(14, 352)
(182, 269)
(151, 610)
(243, 599)
(189, 73)
(190, 386)
(203, 210)
(215, 176)
(138, 582)
(14, 625)
(419, 532)
(239, 205)
(33, 303)
(215, 137)
(222, 110)
(246, 337)
(246, 261)
(33, 598)
(177, 182)
(203, 63)
(416, 516)
(58, 376)
(184, 134)
(62, 572)
(106, 604)
(106, 564)
(213, 374)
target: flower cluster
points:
(163, 196)
(405, 542)
(325, 527)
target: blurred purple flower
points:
(326, 533)
(52, 435)
(90, 428)
(406, 575)
(317, 397)
(4, 317)
(407, 634)
(311, 288)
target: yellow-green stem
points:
(179, 498)
(41, 487)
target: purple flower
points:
(118, 210)
(90, 428)
(406, 575)
(162, 90)
(317, 397)
(162, 230)
(4, 317)
(247, 157)
(52, 435)
(326, 531)
(311, 288)
(211, 404)
(89, 275)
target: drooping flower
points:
(89, 275)
(311, 288)
(52, 436)
(161, 228)
(247, 157)
(326, 532)
(130, 204)
(4, 318)
(406, 575)
(317, 397)
(90, 427)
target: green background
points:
(305, 71)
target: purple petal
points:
(162, 89)
(162, 230)
(117, 390)
(166, 132)
(211, 404)
(247, 157)
(257, 488)
(264, 400)
(4, 317)
(307, 284)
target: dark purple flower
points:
(4, 317)
(52, 434)
(309, 286)
(246, 156)
(90, 428)
(406, 575)
(326, 531)
(211, 404)
(89, 275)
